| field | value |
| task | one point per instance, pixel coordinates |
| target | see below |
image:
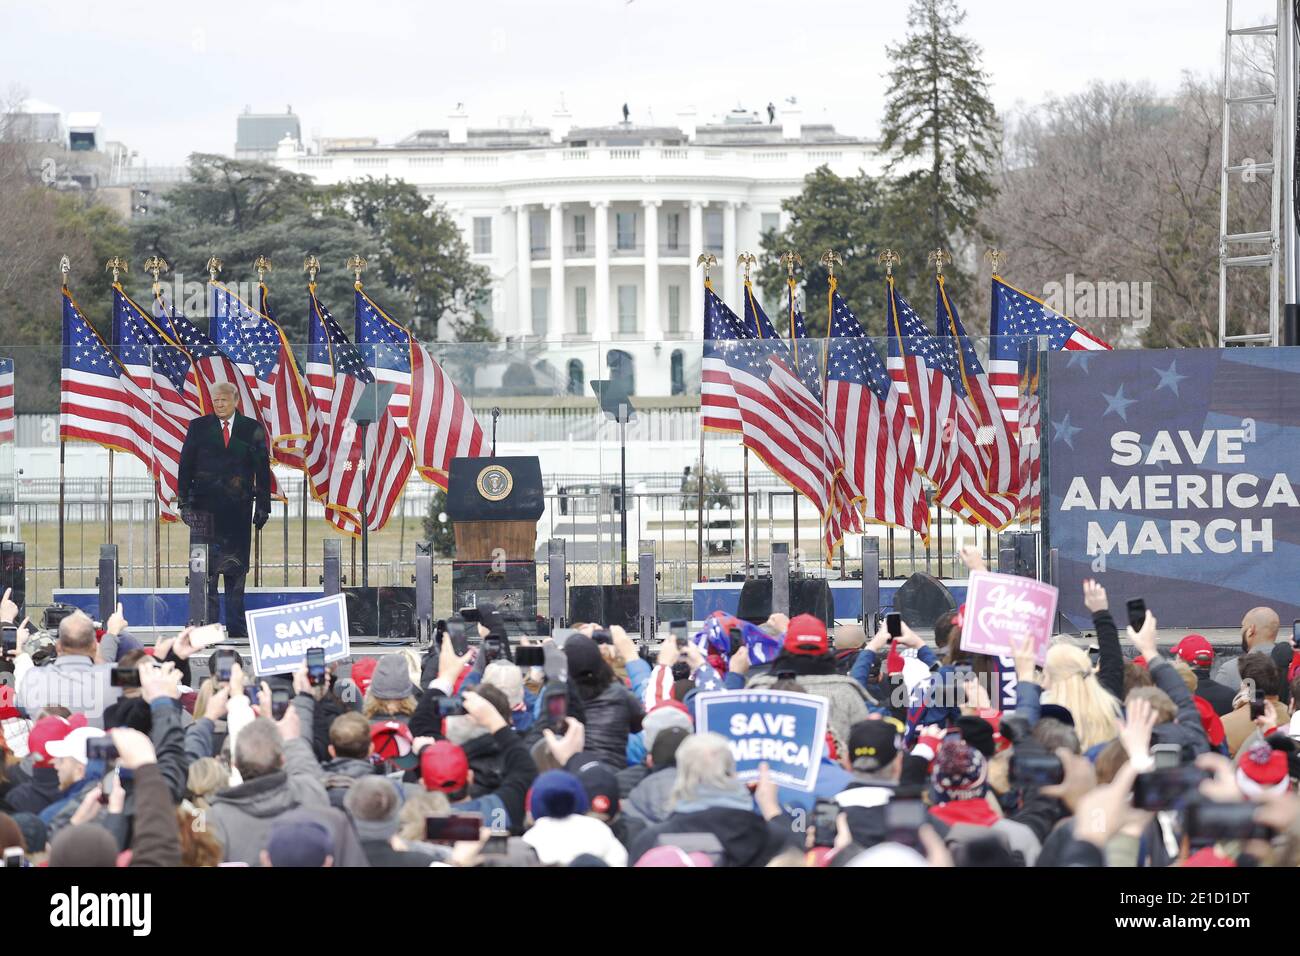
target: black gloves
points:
(261, 516)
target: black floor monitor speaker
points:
(13, 570)
(606, 604)
(921, 599)
(807, 596)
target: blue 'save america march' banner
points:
(1174, 477)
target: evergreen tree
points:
(942, 130)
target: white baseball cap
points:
(73, 745)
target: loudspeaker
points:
(13, 570)
(606, 604)
(807, 596)
(1018, 553)
(921, 599)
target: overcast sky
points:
(171, 78)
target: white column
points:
(600, 332)
(523, 273)
(695, 247)
(732, 296)
(654, 330)
(555, 330)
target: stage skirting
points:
(168, 608)
(725, 596)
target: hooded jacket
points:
(747, 839)
(340, 774)
(1185, 729)
(34, 795)
(847, 697)
(650, 800)
(612, 716)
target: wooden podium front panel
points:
(479, 540)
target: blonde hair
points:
(206, 690)
(429, 803)
(1187, 674)
(206, 776)
(374, 707)
(1069, 681)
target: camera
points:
(1167, 789)
(1208, 820)
(451, 706)
(124, 676)
(1036, 769)
(101, 748)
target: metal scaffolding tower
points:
(1273, 247)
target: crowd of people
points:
(583, 751)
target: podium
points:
(494, 505)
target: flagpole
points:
(830, 259)
(705, 260)
(791, 258)
(746, 260)
(938, 257)
(311, 266)
(65, 266)
(156, 265)
(116, 265)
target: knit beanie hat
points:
(1262, 772)
(959, 772)
(557, 793)
(671, 713)
(392, 680)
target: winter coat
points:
(649, 800)
(611, 717)
(747, 839)
(340, 774)
(848, 700)
(241, 817)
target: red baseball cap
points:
(390, 739)
(444, 767)
(806, 635)
(47, 730)
(362, 671)
(1195, 650)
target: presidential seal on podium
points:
(495, 482)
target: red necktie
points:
(225, 430)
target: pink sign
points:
(1003, 609)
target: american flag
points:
(1017, 319)
(843, 515)
(440, 423)
(337, 372)
(944, 419)
(389, 359)
(994, 441)
(747, 365)
(1029, 436)
(719, 407)
(867, 412)
(6, 400)
(100, 402)
(258, 347)
(155, 363)
(209, 365)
